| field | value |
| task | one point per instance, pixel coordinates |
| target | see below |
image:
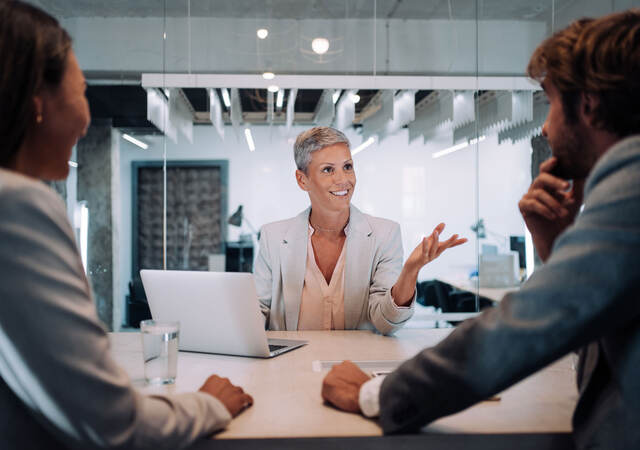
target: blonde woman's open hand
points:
(431, 247)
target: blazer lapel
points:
(357, 271)
(293, 251)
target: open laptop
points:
(218, 312)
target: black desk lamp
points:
(237, 218)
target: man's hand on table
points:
(231, 396)
(341, 386)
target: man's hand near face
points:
(548, 208)
(341, 386)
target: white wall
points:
(396, 180)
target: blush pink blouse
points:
(322, 304)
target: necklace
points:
(332, 230)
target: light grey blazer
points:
(372, 266)
(586, 296)
(59, 384)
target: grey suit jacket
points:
(372, 266)
(58, 381)
(586, 296)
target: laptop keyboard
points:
(273, 348)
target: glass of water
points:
(160, 351)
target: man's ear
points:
(588, 105)
(302, 180)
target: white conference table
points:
(286, 392)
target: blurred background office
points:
(196, 104)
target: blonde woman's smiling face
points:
(330, 178)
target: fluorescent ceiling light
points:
(225, 97)
(135, 141)
(268, 75)
(280, 99)
(457, 147)
(262, 33)
(250, 143)
(73, 164)
(362, 146)
(273, 88)
(355, 98)
(320, 45)
(336, 96)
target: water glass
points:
(160, 351)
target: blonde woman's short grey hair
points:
(314, 139)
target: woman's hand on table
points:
(231, 396)
(430, 248)
(341, 386)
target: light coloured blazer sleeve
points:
(263, 276)
(587, 290)
(54, 352)
(384, 314)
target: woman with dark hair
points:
(59, 385)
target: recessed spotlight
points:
(320, 45)
(262, 33)
(268, 75)
(273, 88)
(355, 98)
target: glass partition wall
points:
(196, 105)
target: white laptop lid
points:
(218, 311)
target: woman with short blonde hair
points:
(332, 266)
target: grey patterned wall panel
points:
(196, 215)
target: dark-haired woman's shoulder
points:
(26, 198)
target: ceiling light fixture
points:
(250, 143)
(262, 33)
(455, 148)
(273, 88)
(320, 45)
(280, 99)
(362, 146)
(268, 75)
(355, 98)
(225, 97)
(336, 96)
(135, 141)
